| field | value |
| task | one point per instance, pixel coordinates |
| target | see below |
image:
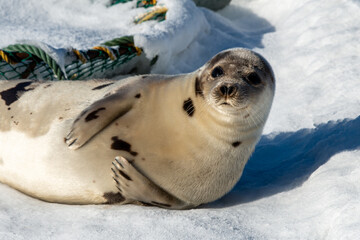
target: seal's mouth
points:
(226, 104)
(230, 104)
(226, 101)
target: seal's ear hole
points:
(216, 72)
(253, 78)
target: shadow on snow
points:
(285, 161)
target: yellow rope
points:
(148, 15)
(4, 56)
(106, 50)
(152, 2)
(138, 50)
(79, 55)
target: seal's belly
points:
(167, 148)
(45, 168)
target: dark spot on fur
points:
(92, 115)
(49, 85)
(94, 181)
(112, 198)
(9, 108)
(116, 124)
(16, 123)
(61, 118)
(143, 159)
(160, 204)
(144, 77)
(198, 88)
(122, 146)
(12, 117)
(235, 144)
(247, 115)
(138, 95)
(31, 113)
(102, 86)
(13, 94)
(125, 175)
(188, 107)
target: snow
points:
(302, 181)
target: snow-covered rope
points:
(139, 3)
(33, 62)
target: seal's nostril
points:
(228, 90)
(231, 90)
(224, 90)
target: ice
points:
(302, 181)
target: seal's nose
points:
(228, 89)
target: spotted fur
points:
(93, 115)
(13, 94)
(236, 144)
(189, 107)
(121, 145)
(196, 141)
(102, 86)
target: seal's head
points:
(238, 82)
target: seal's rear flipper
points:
(135, 186)
(96, 117)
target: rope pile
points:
(27, 61)
(139, 3)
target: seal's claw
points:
(117, 159)
(134, 186)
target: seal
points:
(170, 141)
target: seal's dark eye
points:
(253, 79)
(218, 71)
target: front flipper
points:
(96, 117)
(135, 186)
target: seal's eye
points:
(218, 71)
(253, 79)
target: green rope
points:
(139, 3)
(40, 54)
(30, 62)
(114, 2)
(146, 3)
(119, 41)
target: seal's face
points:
(235, 80)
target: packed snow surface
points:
(302, 181)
